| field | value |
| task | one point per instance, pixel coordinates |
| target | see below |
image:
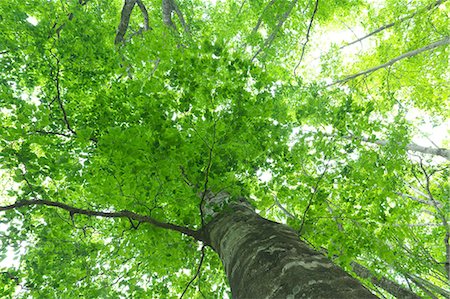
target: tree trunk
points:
(265, 259)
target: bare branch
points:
(434, 45)
(429, 7)
(307, 36)
(121, 214)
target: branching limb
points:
(444, 41)
(196, 273)
(429, 7)
(121, 214)
(125, 19)
(316, 5)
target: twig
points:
(316, 5)
(196, 273)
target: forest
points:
(224, 149)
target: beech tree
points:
(216, 149)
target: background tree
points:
(121, 116)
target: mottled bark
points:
(265, 259)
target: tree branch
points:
(443, 152)
(144, 14)
(258, 23)
(434, 45)
(196, 273)
(121, 214)
(307, 36)
(125, 19)
(169, 6)
(58, 96)
(270, 39)
(429, 7)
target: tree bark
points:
(265, 259)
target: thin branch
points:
(240, 8)
(444, 41)
(425, 202)
(144, 14)
(311, 198)
(58, 97)
(121, 214)
(43, 132)
(272, 36)
(283, 209)
(316, 5)
(196, 273)
(258, 23)
(443, 219)
(429, 7)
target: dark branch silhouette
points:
(121, 214)
(316, 5)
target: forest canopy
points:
(118, 116)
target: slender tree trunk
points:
(265, 259)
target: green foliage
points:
(144, 125)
